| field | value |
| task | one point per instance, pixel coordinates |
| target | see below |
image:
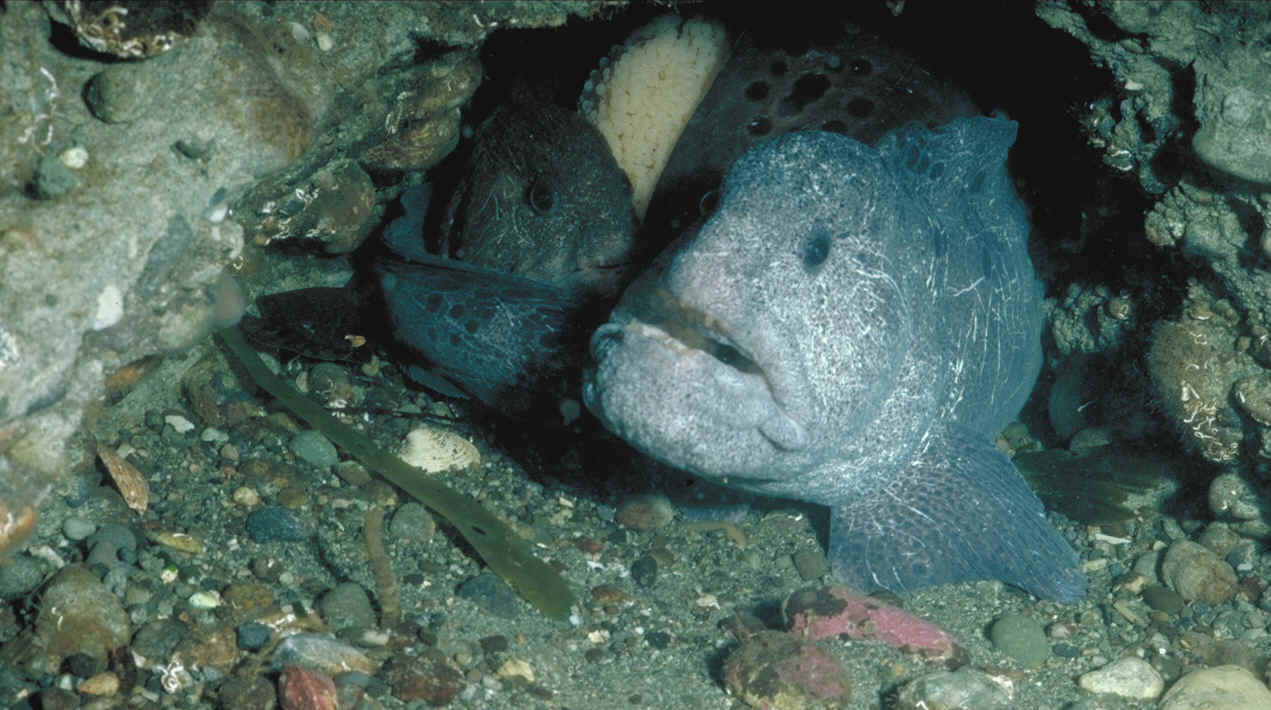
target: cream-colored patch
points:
(642, 100)
(435, 450)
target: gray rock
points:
(1021, 638)
(1232, 498)
(21, 575)
(1217, 688)
(963, 689)
(314, 447)
(1129, 677)
(347, 605)
(78, 614)
(412, 522)
(1197, 573)
(321, 653)
(76, 529)
(75, 305)
(1232, 106)
(122, 92)
(121, 536)
(158, 638)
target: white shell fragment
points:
(435, 450)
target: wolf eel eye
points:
(541, 197)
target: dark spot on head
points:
(936, 171)
(778, 68)
(940, 242)
(861, 67)
(432, 304)
(456, 311)
(860, 107)
(976, 184)
(911, 156)
(550, 340)
(757, 91)
(760, 126)
(431, 333)
(454, 340)
(835, 126)
(807, 88)
(541, 197)
(815, 249)
(471, 326)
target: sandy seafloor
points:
(655, 646)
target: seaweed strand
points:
(507, 554)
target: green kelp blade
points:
(506, 553)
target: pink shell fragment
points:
(835, 610)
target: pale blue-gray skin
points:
(852, 328)
(538, 242)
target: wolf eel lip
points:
(656, 315)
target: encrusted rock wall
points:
(128, 130)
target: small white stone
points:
(298, 31)
(212, 434)
(325, 42)
(1129, 677)
(246, 497)
(205, 600)
(75, 157)
(178, 422)
(110, 307)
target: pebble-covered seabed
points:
(213, 548)
(277, 531)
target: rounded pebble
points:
(429, 677)
(1129, 677)
(121, 536)
(645, 570)
(121, 92)
(78, 614)
(490, 592)
(77, 529)
(274, 524)
(780, 670)
(1197, 573)
(1217, 688)
(1163, 599)
(20, 575)
(52, 178)
(158, 638)
(648, 511)
(202, 601)
(246, 496)
(305, 689)
(102, 684)
(313, 447)
(252, 636)
(347, 605)
(322, 653)
(1021, 638)
(412, 522)
(953, 690)
(1231, 497)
